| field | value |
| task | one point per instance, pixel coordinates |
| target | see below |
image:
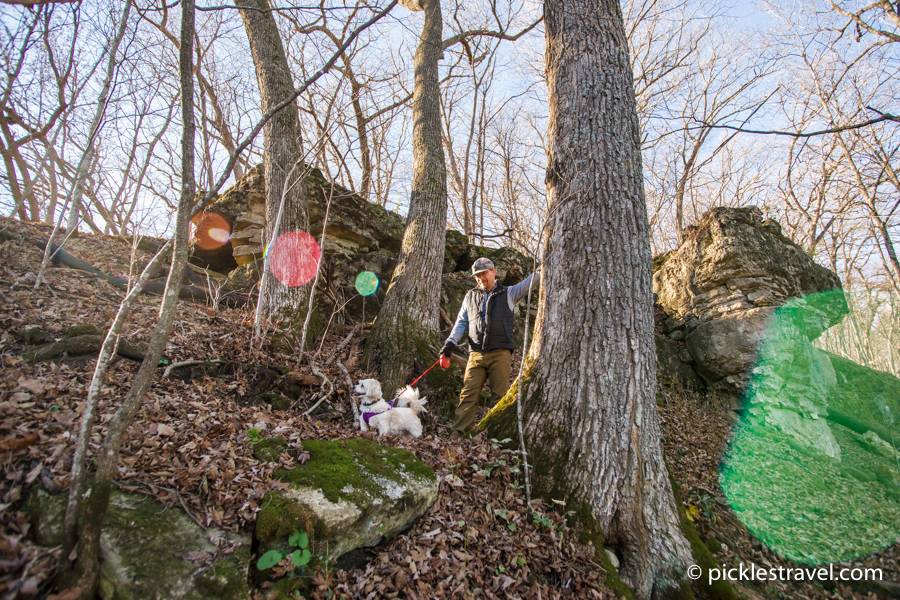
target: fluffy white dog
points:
(399, 417)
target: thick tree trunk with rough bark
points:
(590, 421)
(408, 322)
(281, 152)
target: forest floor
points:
(477, 541)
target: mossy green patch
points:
(582, 520)
(76, 330)
(270, 449)
(279, 518)
(346, 470)
(226, 578)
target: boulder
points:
(151, 552)
(720, 288)
(348, 494)
(361, 225)
(244, 279)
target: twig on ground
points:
(188, 363)
(325, 381)
(337, 351)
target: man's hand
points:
(448, 349)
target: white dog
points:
(400, 417)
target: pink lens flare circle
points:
(293, 258)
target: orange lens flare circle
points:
(294, 257)
(211, 231)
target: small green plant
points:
(300, 556)
(521, 561)
(504, 514)
(255, 435)
(702, 504)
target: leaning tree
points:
(408, 322)
(588, 397)
(285, 297)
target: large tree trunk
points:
(281, 153)
(591, 425)
(407, 324)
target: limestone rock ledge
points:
(720, 288)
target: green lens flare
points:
(367, 283)
(812, 469)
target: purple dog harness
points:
(368, 416)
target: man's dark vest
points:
(496, 331)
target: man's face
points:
(486, 279)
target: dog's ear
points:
(373, 388)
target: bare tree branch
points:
(802, 134)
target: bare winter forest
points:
(557, 129)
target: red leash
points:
(420, 376)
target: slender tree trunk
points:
(87, 563)
(407, 325)
(365, 154)
(281, 151)
(591, 424)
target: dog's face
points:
(369, 391)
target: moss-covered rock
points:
(244, 279)
(349, 494)
(512, 266)
(269, 450)
(76, 330)
(151, 552)
(456, 243)
(35, 336)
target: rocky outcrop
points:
(721, 287)
(348, 494)
(359, 237)
(354, 225)
(154, 553)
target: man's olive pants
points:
(493, 366)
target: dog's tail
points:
(410, 399)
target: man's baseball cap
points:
(481, 265)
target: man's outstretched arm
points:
(516, 292)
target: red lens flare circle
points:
(211, 231)
(293, 258)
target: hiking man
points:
(486, 318)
